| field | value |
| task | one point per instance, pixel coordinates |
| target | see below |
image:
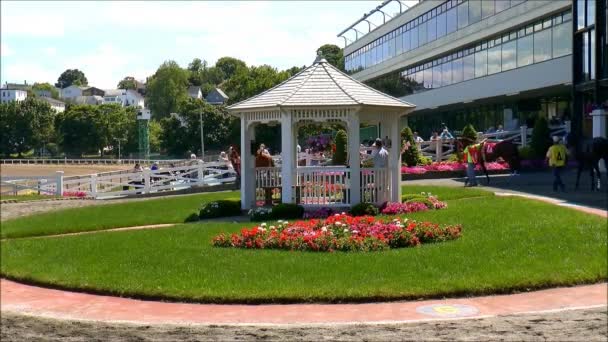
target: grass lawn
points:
(507, 244)
(153, 211)
(21, 198)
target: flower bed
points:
(413, 204)
(79, 194)
(340, 232)
(450, 167)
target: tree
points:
(469, 132)
(46, 87)
(166, 89)
(127, 83)
(333, 54)
(341, 146)
(25, 125)
(71, 77)
(393, 85)
(411, 156)
(229, 66)
(541, 139)
(247, 82)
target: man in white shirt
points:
(380, 154)
(417, 138)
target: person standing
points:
(471, 155)
(417, 138)
(557, 156)
(380, 154)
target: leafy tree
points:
(469, 132)
(71, 77)
(46, 87)
(541, 139)
(229, 66)
(127, 83)
(412, 155)
(333, 54)
(252, 81)
(25, 125)
(294, 70)
(393, 85)
(341, 146)
(166, 89)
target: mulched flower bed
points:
(340, 232)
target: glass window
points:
(437, 76)
(446, 74)
(406, 41)
(441, 22)
(509, 55)
(384, 51)
(481, 63)
(414, 38)
(487, 8)
(542, 46)
(494, 60)
(468, 67)
(452, 21)
(419, 79)
(524, 51)
(474, 11)
(428, 78)
(422, 34)
(457, 70)
(391, 48)
(592, 53)
(585, 56)
(399, 44)
(463, 15)
(431, 29)
(368, 58)
(562, 40)
(502, 5)
(590, 12)
(580, 11)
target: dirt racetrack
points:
(46, 170)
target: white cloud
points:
(30, 72)
(49, 51)
(5, 50)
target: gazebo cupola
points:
(321, 93)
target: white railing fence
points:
(323, 186)
(375, 185)
(267, 184)
(66, 161)
(41, 185)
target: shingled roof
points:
(321, 84)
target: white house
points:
(124, 97)
(71, 92)
(217, 97)
(9, 95)
(195, 92)
(57, 105)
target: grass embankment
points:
(507, 244)
(152, 211)
(21, 198)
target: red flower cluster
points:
(340, 232)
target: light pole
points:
(200, 115)
(118, 139)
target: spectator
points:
(557, 156)
(223, 157)
(445, 134)
(491, 130)
(417, 138)
(500, 129)
(380, 154)
(235, 160)
(435, 136)
(387, 142)
(154, 166)
(192, 156)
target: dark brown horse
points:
(588, 153)
(491, 151)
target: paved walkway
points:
(20, 298)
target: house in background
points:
(92, 91)
(216, 97)
(195, 92)
(71, 92)
(124, 97)
(11, 94)
(42, 93)
(90, 100)
(58, 106)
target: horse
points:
(588, 153)
(490, 152)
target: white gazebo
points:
(321, 94)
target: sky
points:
(109, 40)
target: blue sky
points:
(109, 40)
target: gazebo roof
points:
(319, 85)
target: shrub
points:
(260, 214)
(412, 155)
(341, 145)
(422, 160)
(287, 211)
(455, 158)
(541, 140)
(192, 218)
(221, 208)
(469, 132)
(364, 209)
(526, 153)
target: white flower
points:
(345, 230)
(343, 213)
(285, 222)
(336, 214)
(323, 229)
(338, 223)
(272, 227)
(355, 231)
(263, 224)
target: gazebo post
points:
(395, 159)
(247, 174)
(353, 157)
(287, 158)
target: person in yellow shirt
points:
(557, 156)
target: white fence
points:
(375, 185)
(323, 186)
(65, 161)
(126, 182)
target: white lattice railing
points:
(323, 186)
(66, 161)
(375, 185)
(43, 185)
(267, 185)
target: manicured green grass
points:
(21, 198)
(445, 193)
(153, 211)
(507, 244)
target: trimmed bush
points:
(192, 218)
(412, 155)
(363, 209)
(469, 132)
(283, 211)
(340, 154)
(221, 208)
(541, 139)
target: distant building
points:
(124, 97)
(42, 93)
(216, 97)
(71, 92)
(195, 92)
(90, 100)
(18, 86)
(57, 105)
(92, 91)
(140, 87)
(10, 94)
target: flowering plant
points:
(323, 212)
(320, 143)
(450, 166)
(340, 232)
(79, 194)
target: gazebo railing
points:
(267, 185)
(375, 185)
(323, 186)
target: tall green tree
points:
(166, 89)
(127, 83)
(71, 77)
(229, 66)
(333, 54)
(25, 125)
